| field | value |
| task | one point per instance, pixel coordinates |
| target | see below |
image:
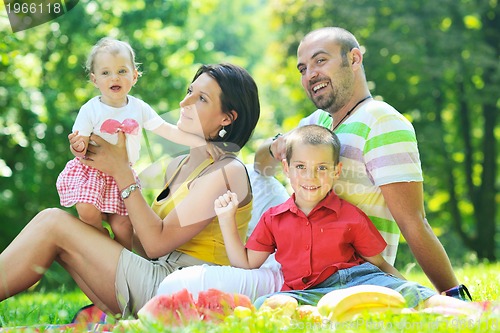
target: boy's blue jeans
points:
(363, 274)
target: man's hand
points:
(277, 148)
(214, 151)
(269, 155)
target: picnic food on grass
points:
(177, 309)
(180, 308)
(345, 304)
(215, 305)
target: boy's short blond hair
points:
(313, 135)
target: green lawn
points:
(483, 281)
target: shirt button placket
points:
(308, 246)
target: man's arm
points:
(264, 163)
(406, 204)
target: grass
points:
(33, 308)
(483, 281)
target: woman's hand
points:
(106, 157)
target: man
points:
(381, 173)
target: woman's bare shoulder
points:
(233, 170)
(230, 163)
(236, 178)
(172, 166)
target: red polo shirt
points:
(311, 248)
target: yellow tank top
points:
(208, 245)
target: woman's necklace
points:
(350, 111)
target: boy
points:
(322, 242)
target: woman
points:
(221, 105)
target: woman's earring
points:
(222, 132)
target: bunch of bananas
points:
(346, 304)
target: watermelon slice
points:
(174, 310)
(215, 305)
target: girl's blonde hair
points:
(113, 46)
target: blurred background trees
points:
(438, 65)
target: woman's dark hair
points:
(239, 93)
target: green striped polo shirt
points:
(378, 147)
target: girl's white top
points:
(105, 121)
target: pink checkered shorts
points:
(81, 183)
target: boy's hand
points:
(225, 206)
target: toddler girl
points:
(114, 72)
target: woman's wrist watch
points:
(125, 193)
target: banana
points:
(356, 312)
(337, 304)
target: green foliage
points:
(56, 307)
